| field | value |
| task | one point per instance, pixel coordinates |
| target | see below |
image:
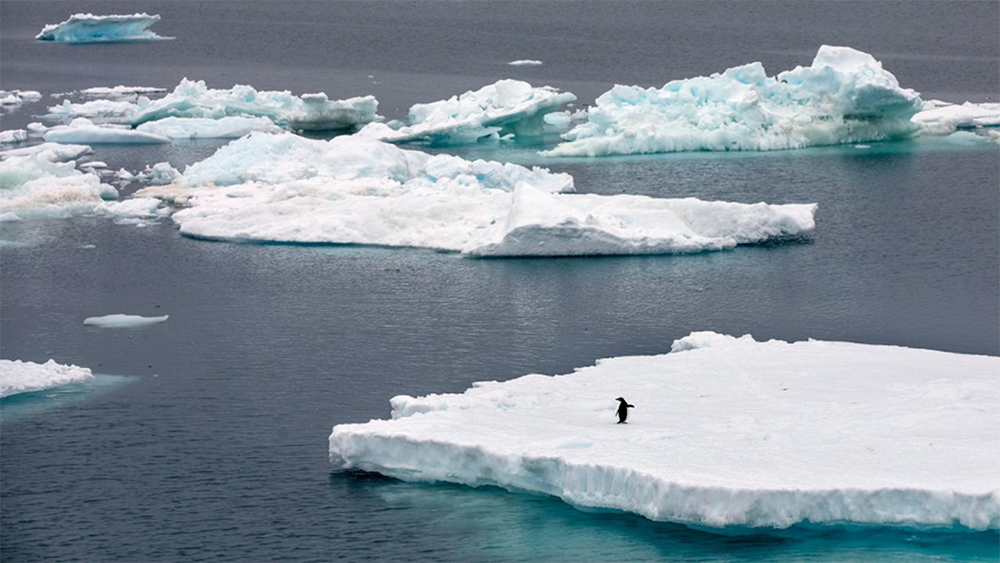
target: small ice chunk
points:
(525, 62)
(123, 321)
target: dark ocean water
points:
(204, 438)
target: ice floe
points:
(123, 321)
(83, 131)
(943, 117)
(24, 377)
(505, 107)
(13, 136)
(355, 190)
(525, 62)
(88, 28)
(845, 96)
(231, 127)
(726, 433)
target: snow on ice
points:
(88, 28)
(845, 96)
(726, 433)
(83, 131)
(23, 377)
(505, 107)
(123, 321)
(355, 190)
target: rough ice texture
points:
(123, 321)
(50, 152)
(506, 107)
(310, 112)
(232, 127)
(943, 117)
(355, 190)
(726, 433)
(83, 131)
(845, 96)
(88, 28)
(23, 377)
(12, 136)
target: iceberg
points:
(83, 131)
(505, 107)
(24, 377)
(123, 321)
(844, 97)
(727, 434)
(88, 28)
(356, 190)
(311, 112)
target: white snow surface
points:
(726, 433)
(23, 377)
(505, 106)
(230, 127)
(355, 190)
(123, 321)
(88, 28)
(845, 96)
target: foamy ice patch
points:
(88, 28)
(123, 321)
(726, 433)
(355, 190)
(844, 97)
(24, 377)
(503, 108)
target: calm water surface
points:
(204, 437)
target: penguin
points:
(623, 407)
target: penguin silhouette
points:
(623, 407)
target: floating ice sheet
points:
(24, 377)
(123, 321)
(88, 28)
(726, 433)
(507, 106)
(355, 190)
(845, 96)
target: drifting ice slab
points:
(726, 433)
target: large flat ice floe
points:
(355, 190)
(845, 96)
(24, 377)
(726, 433)
(119, 320)
(503, 108)
(88, 28)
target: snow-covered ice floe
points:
(123, 321)
(525, 62)
(726, 433)
(184, 112)
(944, 118)
(88, 28)
(844, 97)
(83, 131)
(505, 107)
(355, 190)
(24, 377)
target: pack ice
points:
(88, 28)
(356, 190)
(23, 377)
(503, 108)
(845, 96)
(726, 433)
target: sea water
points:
(209, 441)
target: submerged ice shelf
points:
(356, 190)
(726, 433)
